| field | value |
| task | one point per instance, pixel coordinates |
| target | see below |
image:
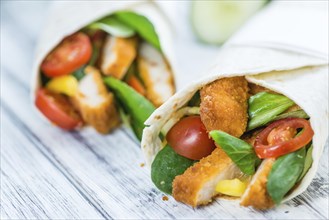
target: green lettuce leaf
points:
(240, 152)
(264, 107)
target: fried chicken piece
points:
(256, 194)
(224, 105)
(254, 89)
(156, 74)
(197, 185)
(95, 103)
(117, 55)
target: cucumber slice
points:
(215, 21)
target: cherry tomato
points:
(189, 138)
(73, 52)
(136, 84)
(279, 138)
(57, 109)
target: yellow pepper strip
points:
(233, 187)
(67, 85)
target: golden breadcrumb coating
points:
(97, 110)
(256, 194)
(156, 75)
(118, 54)
(187, 187)
(224, 105)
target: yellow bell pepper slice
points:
(233, 187)
(67, 85)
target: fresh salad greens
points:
(241, 153)
(195, 100)
(294, 114)
(136, 105)
(166, 166)
(79, 73)
(215, 21)
(264, 107)
(113, 26)
(141, 25)
(308, 162)
(285, 174)
(127, 24)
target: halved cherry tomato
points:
(73, 52)
(136, 84)
(189, 138)
(279, 138)
(57, 109)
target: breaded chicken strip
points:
(254, 89)
(95, 103)
(197, 185)
(156, 74)
(223, 107)
(256, 194)
(117, 55)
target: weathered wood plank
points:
(105, 169)
(112, 175)
(31, 187)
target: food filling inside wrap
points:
(110, 71)
(234, 139)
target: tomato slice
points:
(279, 138)
(136, 85)
(58, 109)
(73, 52)
(189, 138)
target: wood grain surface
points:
(47, 173)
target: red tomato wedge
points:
(58, 109)
(136, 84)
(73, 52)
(279, 138)
(189, 138)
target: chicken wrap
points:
(253, 129)
(101, 63)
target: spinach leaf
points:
(166, 166)
(195, 100)
(240, 152)
(308, 162)
(284, 174)
(294, 114)
(136, 105)
(141, 25)
(264, 107)
(79, 73)
(44, 79)
(112, 26)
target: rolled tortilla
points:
(302, 78)
(69, 17)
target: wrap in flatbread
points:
(100, 63)
(253, 129)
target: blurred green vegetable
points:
(240, 152)
(112, 26)
(294, 114)
(134, 104)
(264, 107)
(141, 25)
(215, 21)
(79, 73)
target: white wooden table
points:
(50, 174)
